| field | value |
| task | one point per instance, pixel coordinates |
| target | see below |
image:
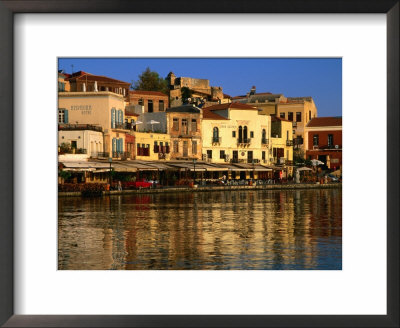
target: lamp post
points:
(254, 177)
(110, 161)
(194, 171)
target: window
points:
(290, 116)
(161, 105)
(113, 117)
(215, 134)
(287, 134)
(176, 146)
(61, 116)
(141, 102)
(330, 140)
(282, 115)
(251, 134)
(298, 116)
(315, 140)
(209, 154)
(61, 87)
(222, 154)
(287, 154)
(309, 115)
(184, 126)
(175, 125)
(156, 149)
(150, 106)
(263, 155)
(194, 125)
(74, 144)
(245, 134)
(194, 147)
(233, 134)
(240, 133)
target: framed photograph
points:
(177, 165)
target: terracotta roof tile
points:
(209, 115)
(325, 121)
(147, 93)
(233, 105)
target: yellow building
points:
(152, 146)
(104, 109)
(281, 141)
(300, 111)
(235, 133)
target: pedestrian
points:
(119, 186)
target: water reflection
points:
(277, 230)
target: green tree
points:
(150, 81)
(186, 94)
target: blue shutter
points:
(65, 116)
(121, 145)
(113, 118)
(120, 117)
(113, 146)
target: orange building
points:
(152, 101)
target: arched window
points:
(245, 134)
(240, 134)
(215, 134)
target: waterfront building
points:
(103, 109)
(152, 146)
(80, 139)
(152, 101)
(300, 111)
(184, 128)
(323, 140)
(235, 133)
(86, 82)
(281, 141)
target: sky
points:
(320, 78)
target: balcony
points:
(121, 126)
(79, 127)
(243, 141)
(289, 142)
(216, 140)
(66, 150)
(264, 141)
(100, 155)
(121, 154)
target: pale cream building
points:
(104, 109)
(235, 133)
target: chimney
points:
(253, 90)
(95, 86)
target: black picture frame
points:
(7, 11)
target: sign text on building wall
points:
(85, 109)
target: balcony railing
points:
(99, 154)
(243, 141)
(264, 141)
(289, 142)
(67, 127)
(216, 140)
(161, 149)
(72, 151)
(121, 126)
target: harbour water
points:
(228, 230)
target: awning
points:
(304, 169)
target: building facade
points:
(152, 146)
(184, 128)
(300, 111)
(281, 141)
(235, 133)
(152, 101)
(324, 141)
(103, 109)
(81, 139)
(86, 82)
